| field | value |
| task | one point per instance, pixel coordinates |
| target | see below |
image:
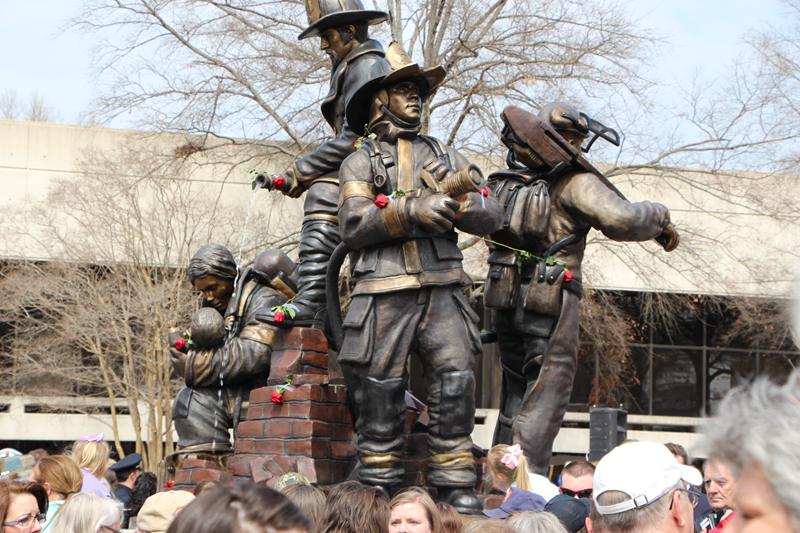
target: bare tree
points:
(36, 110)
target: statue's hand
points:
(433, 213)
(669, 238)
(277, 182)
(178, 360)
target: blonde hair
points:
(91, 455)
(500, 472)
(86, 513)
(61, 473)
(420, 496)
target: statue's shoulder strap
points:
(379, 161)
(439, 149)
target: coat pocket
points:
(544, 291)
(358, 325)
(502, 280)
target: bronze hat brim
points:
(343, 18)
(360, 103)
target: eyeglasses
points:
(585, 493)
(111, 529)
(26, 520)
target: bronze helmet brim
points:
(343, 18)
(358, 107)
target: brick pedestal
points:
(196, 468)
(311, 431)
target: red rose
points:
(567, 276)
(180, 344)
(484, 192)
(279, 316)
(278, 183)
(381, 200)
(169, 484)
(277, 396)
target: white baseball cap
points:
(645, 471)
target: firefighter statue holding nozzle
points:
(552, 196)
(342, 26)
(402, 195)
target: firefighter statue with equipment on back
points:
(552, 197)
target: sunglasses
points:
(25, 521)
(585, 493)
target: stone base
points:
(191, 471)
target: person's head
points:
(160, 509)
(59, 475)
(640, 487)
(146, 485)
(352, 506)
(572, 512)
(127, 470)
(244, 508)
(92, 454)
(756, 432)
(679, 452)
(309, 499)
(212, 271)
(338, 42)
(529, 522)
(208, 328)
(506, 466)
(720, 484)
(22, 506)
(451, 520)
(413, 511)
(89, 513)
(517, 500)
(205, 485)
(486, 525)
(576, 479)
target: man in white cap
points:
(641, 487)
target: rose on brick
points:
(381, 200)
(280, 312)
(277, 396)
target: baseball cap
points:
(160, 509)
(572, 512)
(644, 471)
(518, 500)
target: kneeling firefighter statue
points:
(401, 195)
(552, 197)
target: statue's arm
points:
(242, 357)
(618, 219)
(477, 214)
(326, 158)
(362, 222)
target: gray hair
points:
(530, 522)
(87, 513)
(212, 260)
(759, 425)
(633, 520)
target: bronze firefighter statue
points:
(402, 195)
(342, 26)
(552, 197)
(219, 373)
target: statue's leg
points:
(543, 407)
(319, 236)
(511, 344)
(202, 418)
(378, 334)
(448, 343)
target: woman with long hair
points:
(61, 478)
(507, 467)
(413, 511)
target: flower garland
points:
(525, 255)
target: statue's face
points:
(337, 42)
(405, 102)
(216, 291)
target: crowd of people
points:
(746, 485)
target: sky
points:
(702, 38)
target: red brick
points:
(260, 395)
(250, 428)
(288, 464)
(314, 361)
(310, 428)
(183, 477)
(341, 432)
(239, 466)
(342, 450)
(243, 446)
(299, 410)
(316, 448)
(268, 446)
(314, 379)
(254, 412)
(279, 427)
(284, 362)
(260, 471)
(297, 394)
(330, 412)
(311, 470)
(191, 462)
(340, 470)
(302, 339)
(204, 475)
